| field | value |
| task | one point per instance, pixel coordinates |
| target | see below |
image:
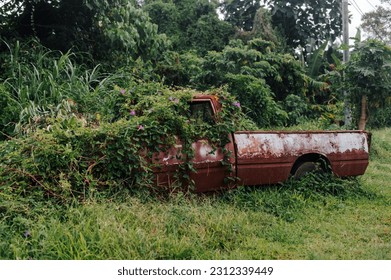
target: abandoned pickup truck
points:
(263, 157)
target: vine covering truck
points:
(265, 157)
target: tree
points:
(57, 24)
(368, 78)
(209, 34)
(108, 30)
(190, 24)
(301, 21)
(258, 75)
(262, 29)
(377, 23)
(240, 13)
(166, 15)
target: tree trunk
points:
(364, 115)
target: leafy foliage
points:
(61, 116)
(240, 13)
(123, 38)
(8, 111)
(44, 85)
(304, 20)
(111, 31)
(257, 100)
(368, 76)
(128, 30)
(263, 29)
(377, 23)
(73, 131)
(255, 73)
(297, 109)
(190, 25)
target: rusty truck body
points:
(267, 157)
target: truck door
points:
(213, 165)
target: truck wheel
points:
(307, 167)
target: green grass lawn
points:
(317, 218)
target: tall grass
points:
(47, 84)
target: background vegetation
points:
(88, 88)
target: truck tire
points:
(307, 167)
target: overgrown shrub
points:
(72, 159)
(367, 79)
(296, 108)
(257, 100)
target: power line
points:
(356, 7)
(371, 4)
(360, 11)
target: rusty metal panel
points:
(210, 172)
(283, 144)
(212, 166)
(268, 157)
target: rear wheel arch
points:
(309, 163)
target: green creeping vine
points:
(71, 158)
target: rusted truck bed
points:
(270, 157)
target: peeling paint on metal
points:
(279, 144)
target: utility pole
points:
(345, 29)
(345, 33)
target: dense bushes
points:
(69, 157)
(8, 112)
(41, 85)
(47, 84)
(260, 77)
(71, 130)
(68, 162)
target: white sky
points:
(357, 7)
